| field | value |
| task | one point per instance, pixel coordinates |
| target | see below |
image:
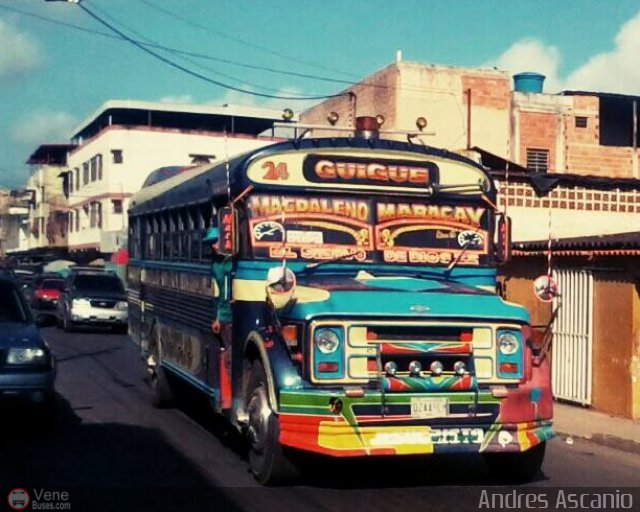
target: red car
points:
(46, 295)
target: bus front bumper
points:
(358, 430)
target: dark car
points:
(94, 298)
(26, 364)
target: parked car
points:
(34, 284)
(45, 292)
(27, 369)
(93, 297)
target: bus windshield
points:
(389, 230)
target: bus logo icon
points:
(18, 499)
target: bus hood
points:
(417, 298)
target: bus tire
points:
(269, 464)
(516, 467)
(163, 395)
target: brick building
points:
(567, 169)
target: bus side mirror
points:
(227, 226)
(503, 235)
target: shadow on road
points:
(108, 462)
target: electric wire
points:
(240, 40)
(142, 39)
(193, 73)
(228, 61)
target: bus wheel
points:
(516, 467)
(269, 464)
(163, 395)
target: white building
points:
(121, 143)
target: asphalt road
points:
(109, 443)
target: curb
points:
(619, 443)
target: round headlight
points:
(436, 368)
(460, 368)
(390, 368)
(508, 343)
(415, 367)
(327, 341)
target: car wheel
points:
(67, 324)
(267, 459)
(516, 467)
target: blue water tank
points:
(528, 82)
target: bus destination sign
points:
(362, 171)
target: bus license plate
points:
(429, 407)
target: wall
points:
(517, 282)
(575, 211)
(404, 91)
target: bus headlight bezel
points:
(326, 340)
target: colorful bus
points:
(359, 276)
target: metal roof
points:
(614, 242)
(52, 154)
(249, 120)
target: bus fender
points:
(275, 358)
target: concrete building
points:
(122, 142)
(584, 134)
(48, 211)
(14, 216)
(567, 170)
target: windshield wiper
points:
(312, 266)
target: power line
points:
(145, 41)
(239, 40)
(178, 51)
(195, 74)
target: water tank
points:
(528, 82)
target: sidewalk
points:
(578, 422)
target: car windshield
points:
(97, 283)
(52, 284)
(11, 307)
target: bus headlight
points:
(327, 341)
(508, 343)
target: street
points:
(108, 435)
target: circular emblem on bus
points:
(470, 238)
(18, 499)
(419, 308)
(268, 231)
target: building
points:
(567, 171)
(14, 216)
(122, 142)
(47, 222)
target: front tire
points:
(67, 324)
(269, 464)
(516, 467)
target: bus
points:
(359, 275)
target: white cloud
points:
(532, 55)
(612, 71)
(20, 52)
(43, 128)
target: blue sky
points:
(52, 76)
